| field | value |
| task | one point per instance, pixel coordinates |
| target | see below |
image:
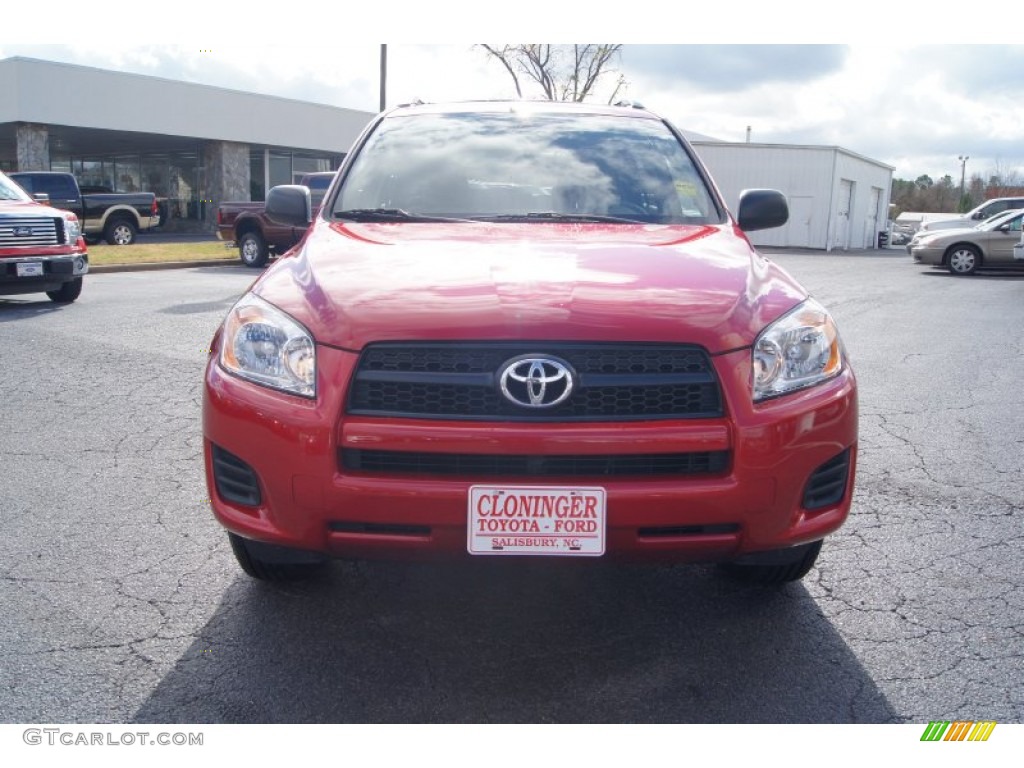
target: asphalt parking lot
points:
(124, 604)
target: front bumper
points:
(306, 500)
(923, 255)
(56, 270)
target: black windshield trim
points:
(584, 218)
(391, 214)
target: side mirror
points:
(289, 205)
(762, 209)
(41, 197)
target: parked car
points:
(41, 247)
(922, 234)
(964, 251)
(258, 239)
(528, 330)
(117, 217)
(981, 213)
(901, 234)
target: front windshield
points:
(1000, 218)
(1013, 223)
(11, 191)
(521, 166)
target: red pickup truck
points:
(257, 237)
(41, 248)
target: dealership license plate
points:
(30, 268)
(536, 520)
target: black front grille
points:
(827, 484)
(378, 529)
(236, 481)
(672, 531)
(490, 465)
(460, 381)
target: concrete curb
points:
(158, 265)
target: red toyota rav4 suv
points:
(530, 330)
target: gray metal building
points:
(838, 200)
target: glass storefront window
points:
(156, 175)
(178, 178)
(184, 185)
(280, 168)
(303, 164)
(127, 174)
(257, 188)
(156, 179)
(90, 173)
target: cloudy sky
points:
(915, 107)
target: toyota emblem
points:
(536, 382)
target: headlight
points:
(800, 349)
(264, 345)
(72, 228)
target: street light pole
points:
(384, 76)
(963, 176)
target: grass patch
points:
(148, 253)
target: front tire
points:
(268, 562)
(252, 249)
(963, 260)
(775, 568)
(67, 293)
(119, 232)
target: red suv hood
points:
(352, 284)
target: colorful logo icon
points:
(958, 730)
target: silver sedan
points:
(964, 251)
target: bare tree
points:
(926, 194)
(563, 72)
(1005, 179)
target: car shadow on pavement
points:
(14, 308)
(988, 274)
(514, 641)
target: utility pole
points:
(383, 76)
(963, 176)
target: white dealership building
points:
(193, 145)
(197, 145)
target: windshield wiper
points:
(388, 214)
(553, 216)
